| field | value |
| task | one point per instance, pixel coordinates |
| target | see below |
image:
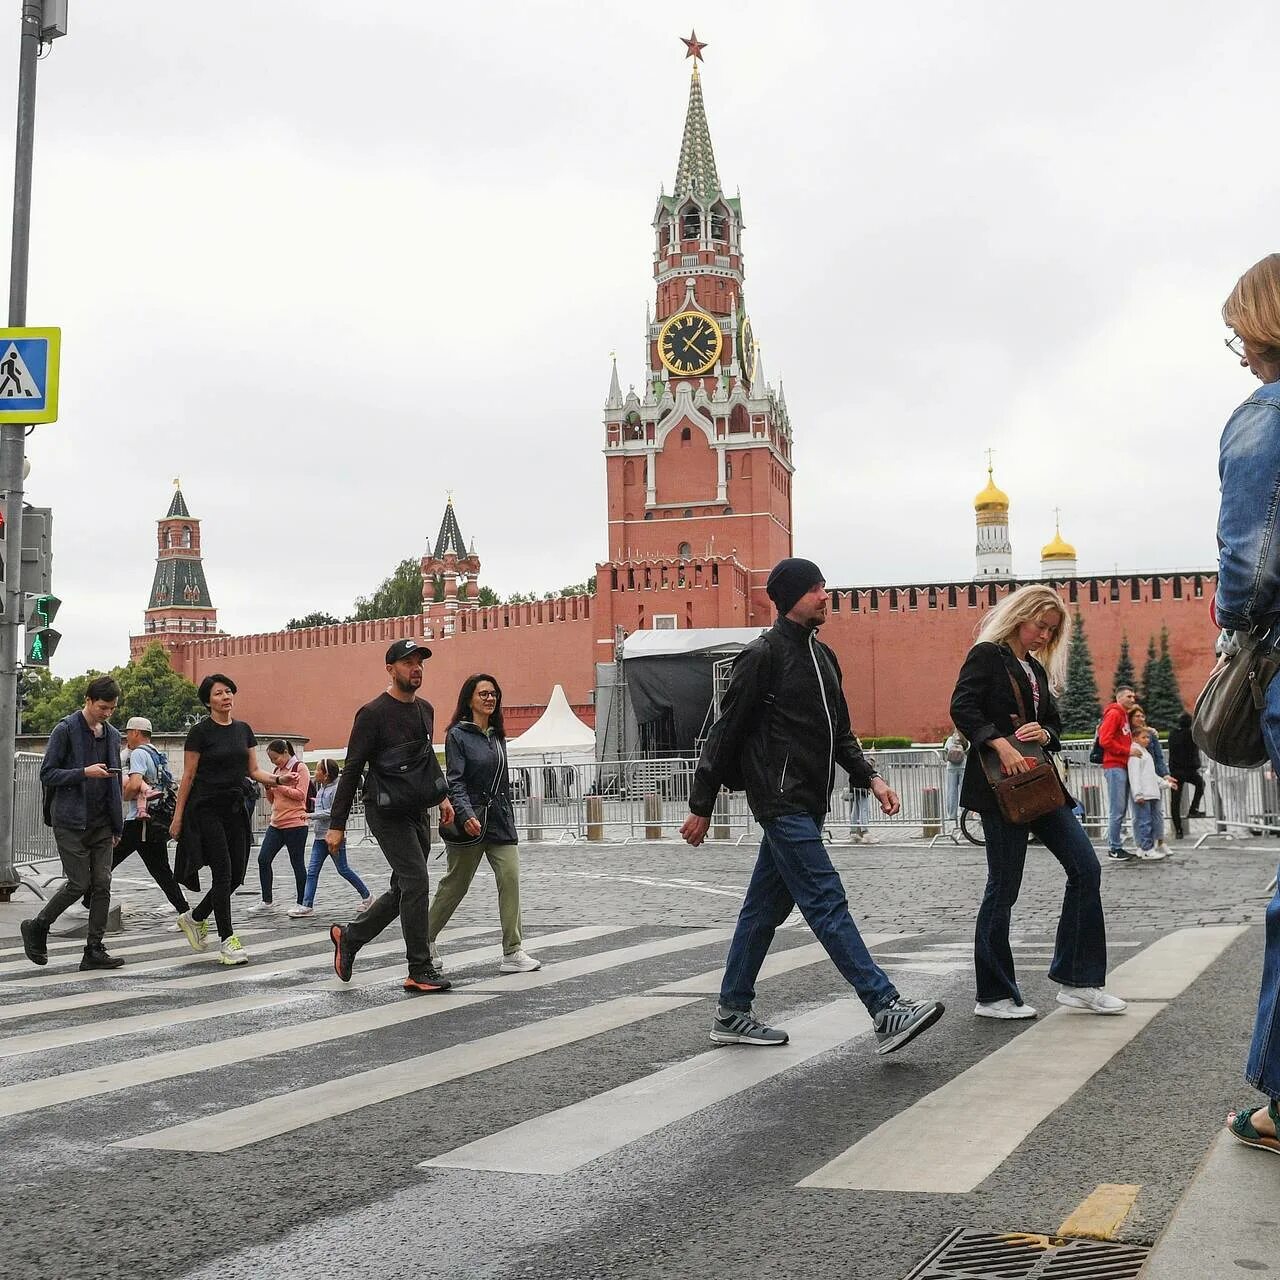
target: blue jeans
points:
(955, 775)
(794, 869)
(1080, 949)
(319, 852)
(273, 840)
(1117, 803)
(1144, 823)
(1263, 1068)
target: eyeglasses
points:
(1235, 344)
(486, 694)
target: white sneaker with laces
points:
(1003, 1009)
(261, 908)
(1094, 999)
(231, 952)
(365, 904)
(299, 911)
(519, 962)
(1152, 855)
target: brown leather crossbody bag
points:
(1023, 797)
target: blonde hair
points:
(1253, 309)
(1024, 605)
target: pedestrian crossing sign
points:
(29, 375)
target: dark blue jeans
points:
(1080, 950)
(273, 840)
(794, 869)
(1263, 1068)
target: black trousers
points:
(154, 852)
(1196, 779)
(405, 843)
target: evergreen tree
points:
(1125, 676)
(1164, 702)
(1079, 705)
(317, 618)
(1149, 676)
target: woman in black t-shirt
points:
(211, 823)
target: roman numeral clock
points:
(690, 343)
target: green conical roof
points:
(696, 172)
(178, 507)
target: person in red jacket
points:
(1117, 746)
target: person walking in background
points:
(326, 787)
(1151, 745)
(1248, 597)
(210, 823)
(393, 735)
(784, 726)
(1144, 786)
(81, 769)
(955, 751)
(475, 755)
(1004, 697)
(1185, 767)
(1116, 739)
(288, 789)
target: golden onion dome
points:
(991, 498)
(1058, 549)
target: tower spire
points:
(615, 390)
(696, 170)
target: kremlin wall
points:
(699, 480)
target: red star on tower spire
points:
(693, 46)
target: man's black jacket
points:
(788, 748)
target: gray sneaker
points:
(735, 1026)
(899, 1023)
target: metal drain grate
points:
(968, 1254)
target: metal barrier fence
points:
(32, 840)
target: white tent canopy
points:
(556, 732)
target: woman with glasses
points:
(1003, 703)
(1248, 598)
(479, 785)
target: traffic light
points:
(37, 550)
(42, 639)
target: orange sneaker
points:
(426, 984)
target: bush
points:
(885, 744)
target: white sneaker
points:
(437, 962)
(299, 911)
(261, 908)
(365, 904)
(1152, 855)
(1003, 1009)
(197, 937)
(519, 962)
(231, 952)
(1092, 998)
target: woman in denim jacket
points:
(1249, 596)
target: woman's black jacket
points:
(984, 707)
(476, 767)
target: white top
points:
(1144, 782)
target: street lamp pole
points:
(12, 435)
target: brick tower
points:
(449, 565)
(699, 460)
(180, 608)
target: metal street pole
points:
(13, 434)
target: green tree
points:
(397, 597)
(318, 618)
(49, 698)
(486, 597)
(1148, 673)
(1163, 699)
(1125, 675)
(1080, 707)
(151, 687)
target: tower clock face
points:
(746, 349)
(689, 342)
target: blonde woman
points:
(1023, 644)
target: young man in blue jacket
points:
(783, 727)
(81, 769)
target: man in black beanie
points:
(783, 727)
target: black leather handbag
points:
(405, 781)
(454, 832)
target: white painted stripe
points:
(954, 1138)
(88, 1032)
(60, 942)
(59, 1004)
(455, 960)
(1170, 964)
(155, 944)
(566, 1139)
(93, 1082)
(243, 1126)
(252, 971)
(775, 964)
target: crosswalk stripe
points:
(775, 963)
(243, 1126)
(155, 944)
(88, 1032)
(1170, 964)
(63, 943)
(564, 1140)
(74, 1086)
(461, 959)
(252, 971)
(953, 1139)
(59, 1004)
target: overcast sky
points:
(327, 261)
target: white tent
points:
(557, 732)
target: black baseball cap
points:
(406, 649)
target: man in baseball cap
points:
(396, 724)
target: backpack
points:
(162, 800)
(1095, 751)
(734, 778)
(311, 796)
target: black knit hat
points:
(790, 579)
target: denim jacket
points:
(62, 771)
(1248, 545)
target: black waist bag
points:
(406, 780)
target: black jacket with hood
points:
(789, 747)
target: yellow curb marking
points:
(1099, 1215)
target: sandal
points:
(1242, 1128)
